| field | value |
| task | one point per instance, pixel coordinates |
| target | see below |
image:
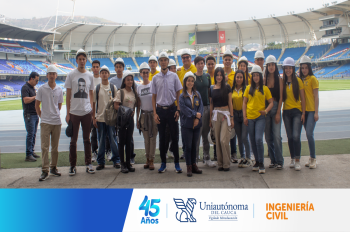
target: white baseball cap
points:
(51, 68)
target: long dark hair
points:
(246, 73)
(302, 77)
(133, 89)
(184, 90)
(253, 85)
(295, 85)
(275, 91)
(243, 83)
(223, 82)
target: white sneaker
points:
(308, 162)
(210, 163)
(109, 156)
(313, 163)
(247, 163)
(297, 166)
(292, 163)
(94, 156)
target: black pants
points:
(168, 139)
(125, 139)
(190, 138)
(94, 142)
(167, 118)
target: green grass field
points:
(16, 104)
(325, 147)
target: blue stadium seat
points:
(275, 52)
(295, 53)
(315, 52)
(107, 62)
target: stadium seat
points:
(295, 53)
(315, 52)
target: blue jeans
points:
(190, 137)
(102, 132)
(256, 128)
(273, 136)
(293, 124)
(309, 129)
(31, 125)
(242, 136)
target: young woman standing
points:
(312, 102)
(273, 119)
(254, 113)
(293, 110)
(221, 114)
(243, 65)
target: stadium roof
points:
(13, 32)
(107, 38)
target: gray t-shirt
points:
(116, 81)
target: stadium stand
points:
(337, 51)
(325, 70)
(316, 52)
(107, 62)
(295, 53)
(140, 60)
(275, 52)
(28, 66)
(22, 47)
(129, 63)
(250, 55)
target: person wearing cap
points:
(259, 59)
(254, 113)
(31, 119)
(227, 58)
(125, 133)
(153, 63)
(103, 93)
(273, 119)
(293, 110)
(79, 101)
(191, 111)
(210, 61)
(221, 115)
(50, 97)
(145, 121)
(311, 87)
(243, 65)
(187, 65)
(202, 85)
(165, 89)
(119, 68)
(172, 65)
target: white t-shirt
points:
(145, 95)
(50, 98)
(80, 84)
(97, 81)
(105, 94)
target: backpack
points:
(124, 113)
(110, 114)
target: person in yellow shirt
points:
(187, 65)
(240, 128)
(312, 102)
(243, 65)
(153, 64)
(228, 61)
(254, 113)
(293, 110)
(211, 63)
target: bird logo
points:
(186, 214)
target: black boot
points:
(124, 169)
(130, 168)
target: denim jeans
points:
(31, 124)
(105, 132)
(204, 131)
(293, 124)
(256, 128)
(242, 136)
(167, 118)
(273, 136)
(190, 137)
(95, 140)
(125, 136)
(309, 129)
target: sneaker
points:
(313, 163)
(90, 169)
(256, 166)
(100, 167)
(177, 168)
(297, 166)
(124, 168)
(162, 168)
(72, 171)
(132, 160)
(94, 156)
(308, 162)
(30, 159)
(210, 163)
(272, 165)
(234, 158)
(261, 168)
(247, 163)
(109, 156)
(54, 172)
(44, 176)
(241, 162)
(130, 168)
(35, 155)
(116, 165)
(183, 156)
(292, 163)
(279, 167)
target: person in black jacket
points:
(191, 110)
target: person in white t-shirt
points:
(145, 121)
(103, 93)
(50, 96)
(80, 86)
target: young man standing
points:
(31, 119)
(211, 63)
(172, 65)
(103, 93)
(153, 63)
(119, 68)
(202, 84)
(259, 60)
(165, 89)
(79, 101)
(50, 96)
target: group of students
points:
(218, 106)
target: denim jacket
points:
(189, 108)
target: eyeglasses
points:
(145, 73)
(185, 57)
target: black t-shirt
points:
(28, 91)
(217, 98)
(202, 84)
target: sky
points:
(151, 12)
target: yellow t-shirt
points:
(249, 79)
(290, 102)
(230, 76)
(183, 71)
(256, 103)
(212, 79)
(310, 83)
(237, 99)
(151, 75)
